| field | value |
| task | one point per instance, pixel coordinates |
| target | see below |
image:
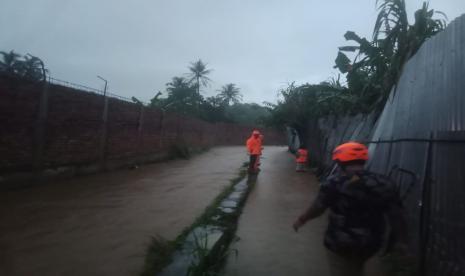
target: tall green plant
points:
(198, 74)
(10, 62)
(378, 63)
(29, 67)
(229, 93)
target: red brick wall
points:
(74, 127)
(19, 104)
(72, 130)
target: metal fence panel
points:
(421, 130)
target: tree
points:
(156, 101)
(371, 75)
(199, 74)
(10, 63)
(30, 67)
(33, 68)
(247, 114)
(378, 63)
(182, 97)
(229, 93)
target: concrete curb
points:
(205, 244)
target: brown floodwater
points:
(102, 224)
(268, 245)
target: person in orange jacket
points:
(254, 148)
(301, 159)
(261, 150)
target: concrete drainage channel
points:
(206, 247)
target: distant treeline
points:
(184, 96)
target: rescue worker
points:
(254, 148)
(261, 150)
(301, 159)
(360, 202)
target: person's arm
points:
(315, 210)
(323, 200)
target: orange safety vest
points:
(254, 145)
(302, 155)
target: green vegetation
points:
(158, 255)
(370, 75)
(198, 73)
(229, 93)
(183, 96)
(27, 66)
(247, 113)
(206, 266)
(160, 251)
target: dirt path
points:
(268, 246)
(102, 224)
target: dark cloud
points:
(138, 46)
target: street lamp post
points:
(105, 89)
(103, 137)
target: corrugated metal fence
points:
(419, 139)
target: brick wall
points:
(74, 131)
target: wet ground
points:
(102, 224)
(268, 245)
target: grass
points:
(160, 251)
(208, 264)
(158, 255)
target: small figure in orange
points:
(301, 159)
(254, 148)
(261, 150)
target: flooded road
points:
(268, 245)
(102, 224)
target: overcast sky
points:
(139, 45)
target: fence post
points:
(425, 209)
(140, 128)
(104, 134)
(39, 128)
(161, 129)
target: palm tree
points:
(400, 40)
(182, 96)
(33, 68)
(230, 93)
(178, 89)
(10, 62)
(30, 67)
(199, 74)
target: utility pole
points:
(40, 124)
(105, 89)
(104, 128)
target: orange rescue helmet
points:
(350, 151)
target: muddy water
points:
(268, 245)
(102, 224)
